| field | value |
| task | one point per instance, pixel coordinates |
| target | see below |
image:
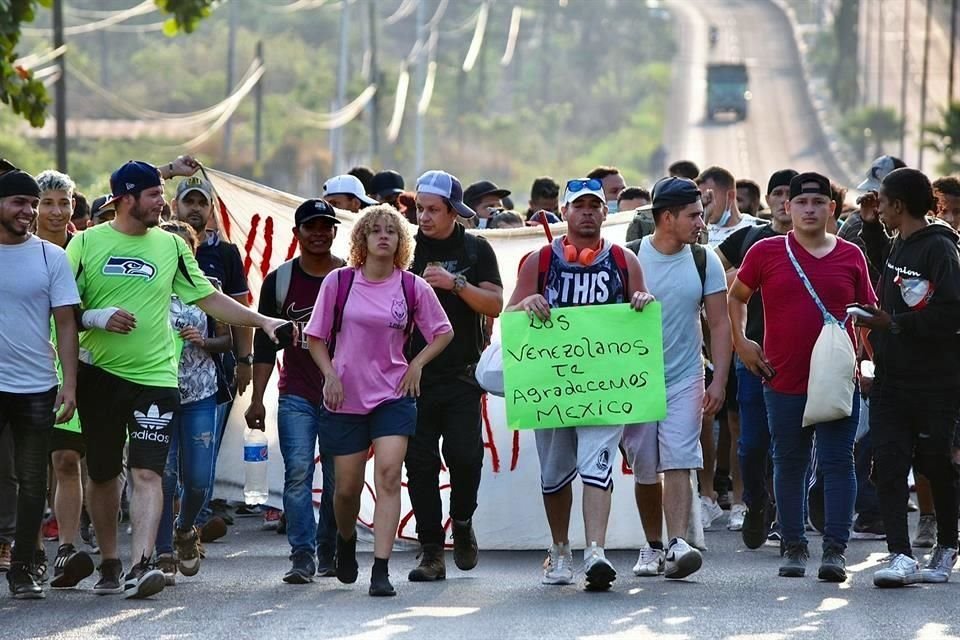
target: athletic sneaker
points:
(738, 513)
(87, 534)
(346, 559)
(559, 565)
(868, 529)
(214, 529)
(22, 584)
(326, 568)
(302, 569)
(248, 511)
(143, 581)
(271, 519)
(50, 530)
(940, 565)
(926, 532)
(6, 556)
(755, 527)
(167, 564)
(681, 560)
(709, 512)
(40, 566)
(187, 544)
(833, 566)
(650, 562)
(70, 567)
(598, 570)
(901, 571)
(795, 556)
(111, 577)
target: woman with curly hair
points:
(361, 322)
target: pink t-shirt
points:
(791, 318)
(369, 356)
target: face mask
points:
(482, 223)
(724, 219)
(613, 206)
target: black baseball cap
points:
(386, 183)
(315, 208)
(822, 184)
(134, 177)
(780, 178)
(478, 190)
(672, 192)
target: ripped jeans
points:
(192, 454)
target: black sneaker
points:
(380, 583)
(754, 531)
(833, 567)
(346, 560)
(795, 558)
(70, 567)
(143, 580)
(869, 529)
(111, 577)
(302, 570)
(465, 550)
(22, 583)
(40, 566)
(326, 568)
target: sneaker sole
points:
(170, 580)
(105, 591)
(150, 584)
(76, 569)
(893, 583)
(382, 593)
(295, 577)
(866, 535)
(647, 573)
(189, 569)
(556, 582)
(29, 596)
(684, 567)
(415, 577)
(792, 573)
(924, 544)
(934, 578)
(600, 576)
(832, 574)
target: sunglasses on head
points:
(592, 184)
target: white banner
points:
(259, 220)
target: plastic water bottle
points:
(255, 452)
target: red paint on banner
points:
(248, 247)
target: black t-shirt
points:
(475, 259)
(734, 248)
(221, 260)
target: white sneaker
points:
(681, 560)
(737, 513)
(598, 570)
(940, 565)
(559, 568)
(901, 571)
(709, 512)
(650, 562)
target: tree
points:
(25, 94)
(946, 140)
(871, 124)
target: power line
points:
(512, 34)
(399, 105)
(406, 8)
(342, 116)
(477, 42)
(145, 7)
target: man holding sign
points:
(579, 269)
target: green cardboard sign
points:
(585, 366)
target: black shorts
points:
(112, 408)
(66, 440)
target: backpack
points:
(699, 260)
(616, 252)
(345, 284)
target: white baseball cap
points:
(580, 187)
(349, 185)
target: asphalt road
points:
(737, 595)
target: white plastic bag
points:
(833, 365)
(489, 372)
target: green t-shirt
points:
(138, 274)
(73, 424)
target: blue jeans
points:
(753, 448)
(298, 428)
(223, 412)
(791, 463)
(191, 458)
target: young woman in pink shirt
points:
(370, 389)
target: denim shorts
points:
(343, 434)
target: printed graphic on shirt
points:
(570, 285)
(152, 425)
(299, 317)
(121, 266)
(398, 314)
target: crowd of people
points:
(128, 333)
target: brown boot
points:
(465, 549)
(431, 566)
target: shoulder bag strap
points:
(827, 317)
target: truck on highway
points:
(727, 89)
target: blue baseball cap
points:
(672, 192)
(441, 183)
(133, 177)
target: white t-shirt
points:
(718, 234)
(674, 281)
(36, 277)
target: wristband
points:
(97, 318)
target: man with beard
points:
(126, 272)
(194, 204)
(30, 399)
(289, 292)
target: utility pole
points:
(867, 54)
(923, 85)
(231, 55)
(421, 62)
(374, 108)
(953, 50)
(60, 88)
(904, 77)
(258, 120)
(337, 134)
(880, 48)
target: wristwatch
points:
(459, 282)
(247, 359)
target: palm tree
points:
(946, 139)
